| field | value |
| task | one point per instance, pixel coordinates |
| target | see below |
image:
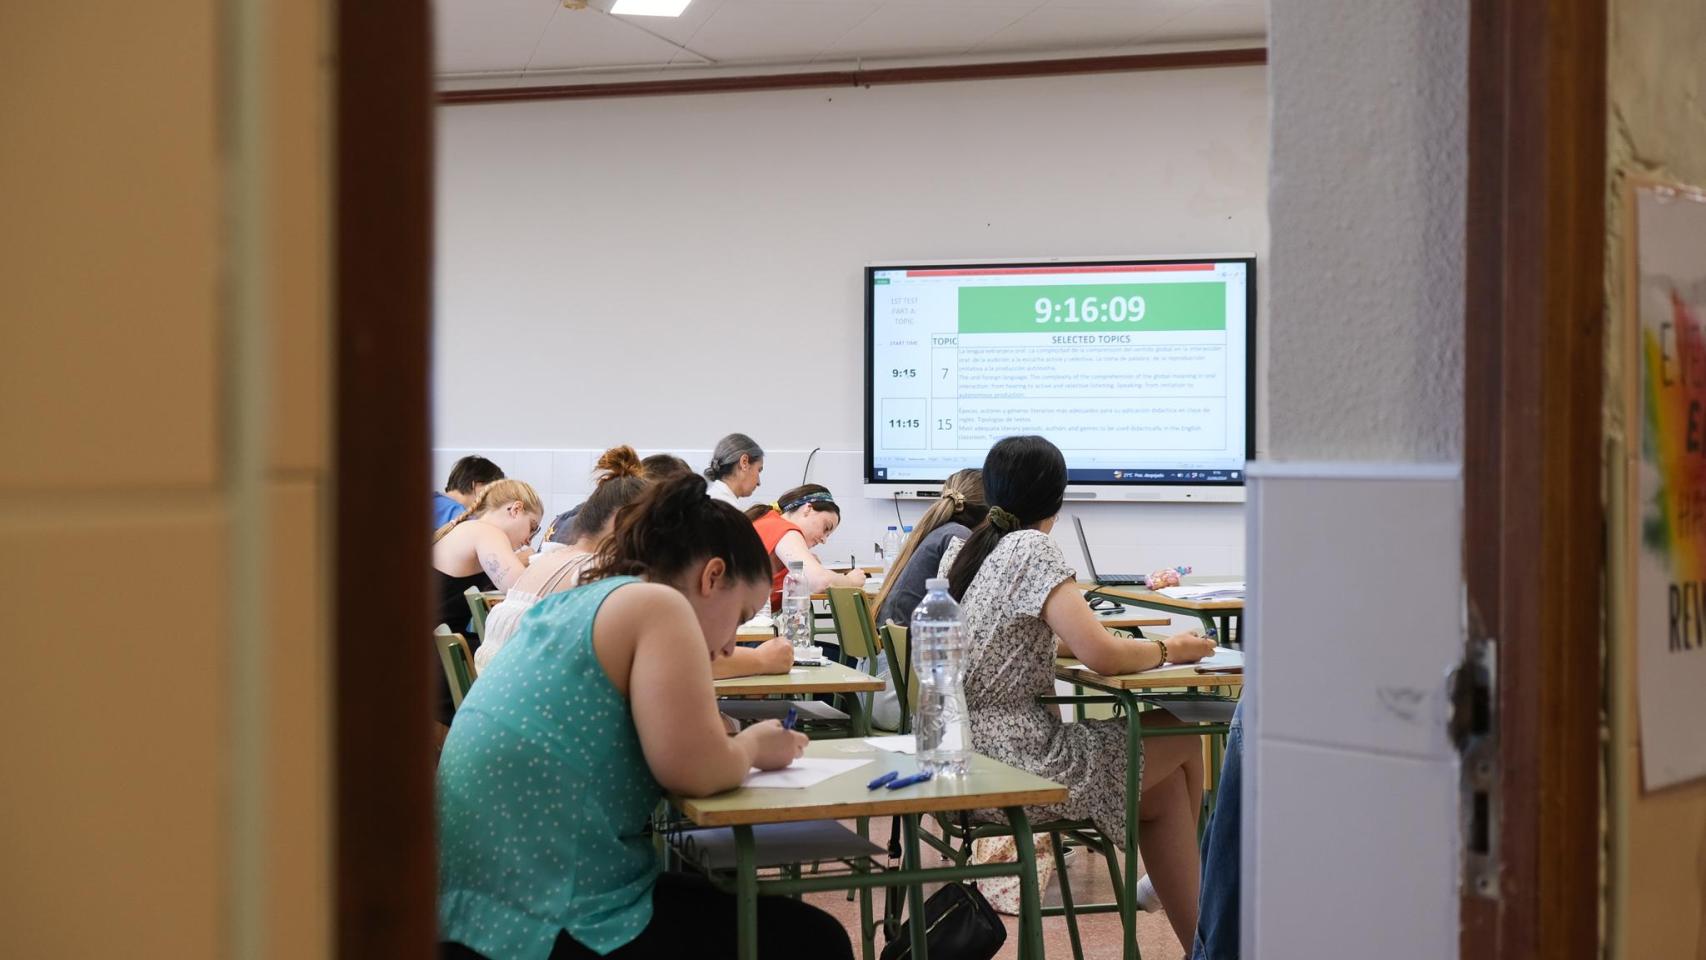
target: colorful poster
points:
(1668, 293)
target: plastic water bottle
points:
(891, 548)
(794, 623)
(942, 728)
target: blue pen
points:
(882, 780)
(918, 777)
(792, 718)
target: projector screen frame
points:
(1229, 491)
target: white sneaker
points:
(1147, 900)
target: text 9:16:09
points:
(1090, 310)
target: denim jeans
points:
(1217, 912)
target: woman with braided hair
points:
(1017, 595)
(951, 517)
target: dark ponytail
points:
(672, 527)
(1024, 481)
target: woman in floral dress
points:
(1017, 596)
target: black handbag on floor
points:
(959, 924)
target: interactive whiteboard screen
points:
(1139, 370)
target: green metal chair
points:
(477, 610)
(959, 833)
(850, 609)
(458, 662)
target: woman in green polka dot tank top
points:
(601, 702)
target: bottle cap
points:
(796, 565)
(936, 583)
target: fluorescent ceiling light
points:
(650, 8)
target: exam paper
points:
(902, 743)
(802, 773)
(1224, 590)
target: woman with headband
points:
(1017, 596)
(736, 466)
(799, 520)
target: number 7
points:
(944, 373)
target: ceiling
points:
(505, 42)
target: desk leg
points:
(746, 893)
(1030, 898)
(914, 891)
(857, 718)
(1133, 796)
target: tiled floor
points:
(1100, 932)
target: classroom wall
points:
(1658, 841)
(166, 765)
(1358, 514)
(591, 257)
(1365, 361)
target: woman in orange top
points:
(799, 520)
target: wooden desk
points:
(801, 682)
(1129, 691)
(1165, 678)
(987, 784)
(1126, 620)
(748, 633)
(810, 681)
(1223, 617)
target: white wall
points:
(663, 271)
(1356, 604)
(1365, 354)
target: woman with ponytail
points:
(619, 483)
(1017, 595)
(486, 547)
(622, 479)
(601, 703)
(960, 508)
(799, 520)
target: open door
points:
(386, 873)
(1534, 437)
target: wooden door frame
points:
(1533, 448)
(385, 870)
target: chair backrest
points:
(851, 611)
(476, 609)
(458, 662)
(900, 668)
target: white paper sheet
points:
(1224, 590)
(900, 743)
(802, 773)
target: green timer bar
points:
(1100, 306)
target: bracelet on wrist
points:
(1163, 645)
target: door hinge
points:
(1475, 733)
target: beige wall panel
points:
(108, 255)
(1657, 101)
(298, 919)
(115, 835)
(301, 247)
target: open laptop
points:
(1106, 580)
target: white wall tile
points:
(1355, 855)
(1126, 537)
(1356, 603)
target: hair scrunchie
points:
(956, 496)
(1003, 521)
